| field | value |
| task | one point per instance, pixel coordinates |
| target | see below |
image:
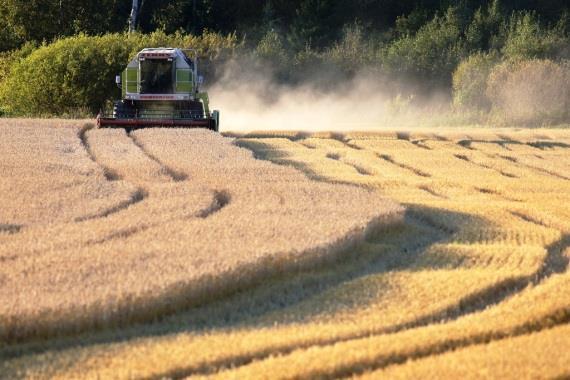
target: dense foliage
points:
(417, 43)
(318, 22)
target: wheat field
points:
(394, 254)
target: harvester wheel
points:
(215, 121)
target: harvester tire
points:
(215, 121)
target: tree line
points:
(316, 23)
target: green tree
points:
(315, 24)
(484, 31)
(431, 55)
(409, 24)
(527, 38)
(44, 20)
(353, 51)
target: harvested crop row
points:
(500, 359)
(160, 254)
(358, 355)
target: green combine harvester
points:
(161, 88)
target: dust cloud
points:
(250, 101)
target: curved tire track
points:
(136, 196)
(221, 200)
(514, 161)
(418, 172)
(467, 159)
(10, 228)
(111, 175)
(176, 175)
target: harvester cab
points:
(160, 87)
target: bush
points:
(77, 73)
(527, 39)
(530, 92)
(470, 81)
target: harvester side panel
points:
(184, 83)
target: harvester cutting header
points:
(160, 88)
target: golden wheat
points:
(501, 359)
(481, 256)
(47, 177)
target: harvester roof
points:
(157, 53)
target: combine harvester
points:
(161, 88)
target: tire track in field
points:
(175, 175)
(340, 137)
(467, 159)
(487, 191)
(515, 161)
(109, 173)
(10, 228)
(558, 318)
(542, 145)
(411, 169)
(221, 197)
(136, 196)
(528, 218)
(472, 303)
(555, 262)
(359, 168)
(420, 144)
(219, 201)
(431, 191)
